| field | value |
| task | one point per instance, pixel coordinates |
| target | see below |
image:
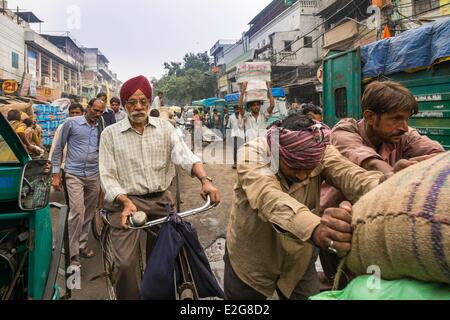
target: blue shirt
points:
(82, 142)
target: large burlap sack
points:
(22, 107)
(4, 111)
(168, 114)
(403, 225)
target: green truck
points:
(419, 59)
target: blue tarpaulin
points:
(416, 48)
(276, 92)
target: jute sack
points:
(22, 107)
(403, 225)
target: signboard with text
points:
(10, 87)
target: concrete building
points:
(40, 68)
(97, 77)
(12, 47)
(69, 74)
(285, 35)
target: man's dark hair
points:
(101, 94)
(313, 109)
(387, 97)
(154, 113)
(91, 103)
(195, 111)
(297, 122)
(160, 92)
(13, 115)
(74, 106)
(114, 100)
(28, 122)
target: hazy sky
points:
(138, 36)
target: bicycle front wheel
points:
(108, 262)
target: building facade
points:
(48, 67)
(97, 77)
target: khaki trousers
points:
(126, 243)
(83, 197)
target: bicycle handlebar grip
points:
(138, 219)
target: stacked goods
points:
(49, 118)
(403, 225)
(249, 71)
(257, 74)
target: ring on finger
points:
(331, 247)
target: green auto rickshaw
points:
(29, 259)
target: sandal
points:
(87, 253)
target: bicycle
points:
(186, 291)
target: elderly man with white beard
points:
(137, 165)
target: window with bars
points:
(341, 102)
(45, 66)
(15, 60)
(287, 46)
(421, 6)
(55, 72)
(307, 42)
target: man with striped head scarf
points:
(274, 234)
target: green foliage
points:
(187, 81)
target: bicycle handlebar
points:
(207, 206)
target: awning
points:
(245, 57)
(205, 102)
(276, 92)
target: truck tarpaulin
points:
(416, 48)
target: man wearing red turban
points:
(274, 235)
(137, 165)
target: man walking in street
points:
(81, 135)
(159, 101)
(236, 123)
(255, 121)
(137, 165)
(119, 114)
(108, 116)
(273, 235)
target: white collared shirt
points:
(138, 164)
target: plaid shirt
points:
(135, 164)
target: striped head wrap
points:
(303, 149)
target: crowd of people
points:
(296, 179)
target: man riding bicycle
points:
(137, 165)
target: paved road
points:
(211, 228)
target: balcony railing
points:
(285, 58)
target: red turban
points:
(303, 149)
(131, 86)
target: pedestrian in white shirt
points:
(158, 102)
(255, 121)
(236, 124)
